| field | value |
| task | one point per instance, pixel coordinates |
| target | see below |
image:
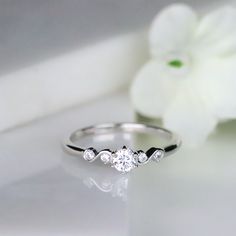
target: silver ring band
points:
(123, 159)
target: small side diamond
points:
(106, 157)
(142, 157)
(158, 155)
(89, 155)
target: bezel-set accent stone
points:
(89, 154)
(124, 160)
(105, 156)
(158, 155)
(142, 157)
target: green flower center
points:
(175, 63)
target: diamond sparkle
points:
(158, 155)
(89, 155)
(124, 160)
(105, 157)
(142, 157)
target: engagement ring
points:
(124, 159)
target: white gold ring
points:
(124, 159)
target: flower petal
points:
(217, 83)
(216, 32)
(188, 116)
(153, 89)
(172, 29)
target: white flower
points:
(190, 80)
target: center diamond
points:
(124, 160)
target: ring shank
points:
(174, 141)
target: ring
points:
(124, 159)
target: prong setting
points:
(124, 160)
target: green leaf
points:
(175, 63)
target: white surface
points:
(70, 79)
(44, 192)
